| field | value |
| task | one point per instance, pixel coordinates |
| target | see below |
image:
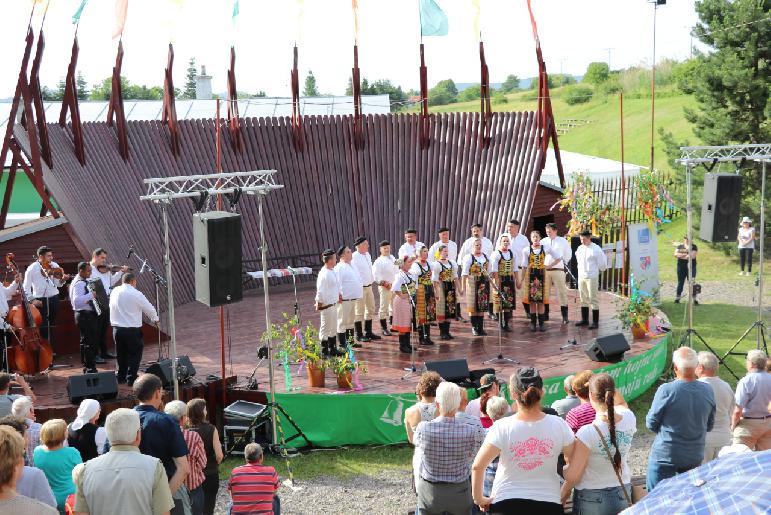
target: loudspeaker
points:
(452, 370)
(720, 210)
(102, 385)
(162, 369)
(217, 254)
(608, 348)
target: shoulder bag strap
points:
(610, 458)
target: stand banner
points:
(643, 257)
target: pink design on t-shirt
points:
(528, 454)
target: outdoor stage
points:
(372, 413)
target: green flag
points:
(76, 16)
(433, 21)
(235, 10)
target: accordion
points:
(102, 301)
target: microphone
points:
(131, 251)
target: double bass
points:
(33, 354)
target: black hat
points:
(586, 233)
(514, 221)
(476, 224)
(341, 249)
(443, 229)
(325, 254)
(384, 243)
(526, 377)
(487, 381)
(410, 231)
(359, 240)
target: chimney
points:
(203, 85)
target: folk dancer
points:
(518, 242)
(452, 255)
(109, 279)
(425, 300)
(402, 289)
(487, 250)
(351, 289)
(127, 305)
(411, 244)
(444, 274)
(504, 271)
(591, 261)
(328, 297)
(534, 291)
(365, 306)
(42, 289)
(86, 319)
(384, 271)
(6, 294)
(556, 274)
(476, 286)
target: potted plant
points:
(344, 368)
(634, 313)
(300, 345)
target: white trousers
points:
(385, 303)
(557, 278)
(365, 306)
(346, 313)
(328, 323)
(587, 291)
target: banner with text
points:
(643, 257)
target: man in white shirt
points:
(444, 239)
(411, 244)
(109, 279)
(555, 272)
(591, 261)
(351, 290)
(720, 436)
(82, 300)
(127, 305)
(8, 292)
(517, 244)
(42, 289)
(365, 306)
(328, 297)
(384, 271)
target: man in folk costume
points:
(365, 307)
(476, 285)
(328, 297)
(384, 271)
(403, 290)
(534, 290)
(518, 242)
(444, 274)
(591, 261)
(425, 300)
(351, 289)
(556, 275)
(504, 271)
(411, 244)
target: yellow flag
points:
(355, 7)
(477, 19)
(40, 7)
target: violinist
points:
(82, 300)
(101, 270)
(41, 286)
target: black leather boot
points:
(341, 341)
(584, 317)
(443, 327)
(427, 335)
(459, 314)
(481, 326)
(474, 326)
(325, 348)
(564, 310)
(546, 312)
(368, 331)
(360, 336)
(384, 327)
(349, 340)
(541, 320)
(527, 308)
(595, 319)
(404, 343)
(331, 344)
(533, 318)
(505, 321)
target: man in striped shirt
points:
(253, 486)
(196, 455)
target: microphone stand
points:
(49, 334)
(159, 281)
(412, 369)
(500, 359)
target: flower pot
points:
(345, 380)
(639, 332)
(315, 376)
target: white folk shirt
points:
(591, 261)
(468, 248)
(5, 296)
(404, 279)
(127, 304)
(37, 286)
(362, 263)
(327, 287)
(384, 270)
(562, 247)
(466, 266)
(537, 250)
(410, 250)
(516, 259)
(452, 251)
(108, 278)
(351, 287)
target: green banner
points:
(331, 420)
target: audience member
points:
(22, 408)
(421, 411)
(600, 454)
(497, 408)
(69, 504)
(6, 399)
(84, 434)
(123, 477)
(11, 468)
(447, 447)
(196, 420)
(196, 456)
(487, 383)
(681, 414)
(33, 482)
(751, 420)
(529, 444)
(582, 414)
(486, 392)
(162, 438)
(57, 461)
(720, 436)
(562, 406)
(461, 415)
(254, 487)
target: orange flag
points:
(121, 10)
(355, 7)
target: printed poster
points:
(643, 257)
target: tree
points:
(396, 95)
(61, 86)
(310, 89)
(82, 86)
(470, 93)
(190, 75)
(103, 90)
(596, 73)
(445, 92)
(510, 84)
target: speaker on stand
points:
(720, 209)
(217, 254)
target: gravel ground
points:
(740, 293)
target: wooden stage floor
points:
(198, 336)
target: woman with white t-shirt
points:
(529, 444)
(746, 240)
(597, 487)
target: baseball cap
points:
(487, 381)
(526, 377)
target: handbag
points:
(610, 458)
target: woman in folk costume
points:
(425, 301)
(504, 271)
(476, 286)
(534, 265)
(445, 278)
(402, 290)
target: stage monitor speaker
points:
(162, 369)
(102, 385)
(609, 348)
(720, 209)
(217, 251)
(453, 370)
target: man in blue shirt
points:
(162, 437)
(681, 414)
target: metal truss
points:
(168, 188)
(724, 153)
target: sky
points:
(573, 33)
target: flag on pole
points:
(477, 16)
(236, 10)
(355, 7)
(433, 21)
(76, 16)
(121, 11)
(40, 7)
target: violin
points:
(49, 271)
(111, 268)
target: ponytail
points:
(486, 395)
(609, 402)
(530, 397)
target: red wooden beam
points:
(17, 96)
(8, 192)
(234, 122)
(70, 103)
(484, 98)
(115, 107)
(37, 99)
(169, 103)
(358, 129)
(297, 117)
(424, 118)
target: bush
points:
(470, 93)
(577, 95)
(499, 98)
(611, 86)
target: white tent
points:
(597, 167)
